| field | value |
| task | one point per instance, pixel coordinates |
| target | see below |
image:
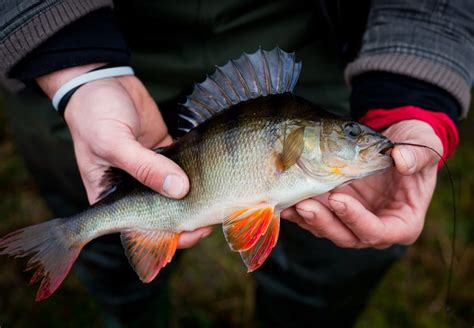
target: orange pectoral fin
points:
(148, 251)
(244, 227)
(256, 255)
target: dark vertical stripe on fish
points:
(230, 143)
(195, 157)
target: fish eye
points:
(352, 129)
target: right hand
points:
(114, 122)
(381, 210)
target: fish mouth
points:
(374, 151)
(383, 147)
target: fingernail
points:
(173, 186)
(337, 206)
(408, 158)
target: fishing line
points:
(447, 307)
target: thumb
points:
(411, 159)
(152, 169)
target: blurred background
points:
(210, 287)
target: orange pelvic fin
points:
(244, 227)
(148, 251)
(255, 256)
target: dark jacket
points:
(428, 40)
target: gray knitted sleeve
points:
(25, 24)
(431, 40)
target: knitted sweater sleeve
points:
(26, 24)
(430, 40)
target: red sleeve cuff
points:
(442, 125)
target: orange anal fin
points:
(255, 256)
(244, 227)
(148, 251)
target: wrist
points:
(50, 83)
(442, 125)
(92, 38)
(387, 90)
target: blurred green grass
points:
(210, 287)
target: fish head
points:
(347, 149)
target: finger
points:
(373, 231)
(323, 223)
(410, 160)
(168, 140)
(368, 228)
(190, 238)
(290, 214)
(151, 169)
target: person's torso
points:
(176, 43)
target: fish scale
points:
(224, 178)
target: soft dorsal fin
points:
(250, 76)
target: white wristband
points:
(89, 77)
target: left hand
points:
(114, 122)
(381, 210)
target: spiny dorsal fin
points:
(251, 76)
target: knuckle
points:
(319, 230)
(378, 237)
(409, 236)
(311, 221)
(105, 151)
(346, 243)
(410, 239)
(104, 146)
(373, 241)
(351, 219)
(144, 173)
(315, 233)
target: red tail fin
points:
(52, 254)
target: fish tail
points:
(52, 253)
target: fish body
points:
(231, 163)
(246, 162)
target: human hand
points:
(114, 122)
(382, 210)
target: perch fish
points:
(251, 149)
